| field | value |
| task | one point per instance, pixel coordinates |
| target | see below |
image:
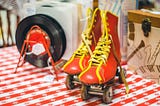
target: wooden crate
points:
(144, 44)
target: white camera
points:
(59, 20)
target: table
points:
(30, 87)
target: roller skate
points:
(100, 73)
(80, 57)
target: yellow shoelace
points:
(102, 50)
(121, 69)
(100, 56)
(87, 35)
(101, 53)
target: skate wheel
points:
(69, 82)
(119, 76)
(84, 92)
(108, 95)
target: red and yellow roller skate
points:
(79, 59)
(99, 75)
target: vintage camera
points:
(60, 21)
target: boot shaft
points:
(113, 31)
(96, 29)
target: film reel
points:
(54, 31)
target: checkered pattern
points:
(28, 87)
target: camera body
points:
(67, 14)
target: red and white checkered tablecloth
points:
(29, 87)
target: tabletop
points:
(36, 86)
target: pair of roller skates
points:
(95, 63)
